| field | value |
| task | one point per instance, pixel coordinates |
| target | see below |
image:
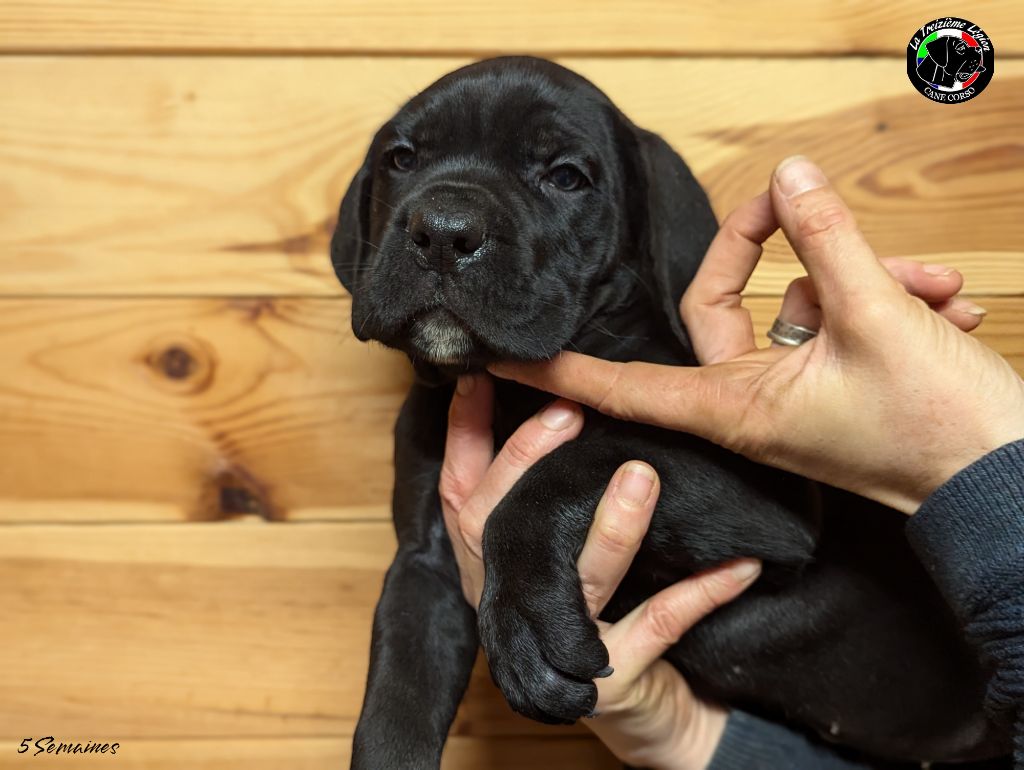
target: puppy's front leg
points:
(424, 632)
(542, 646)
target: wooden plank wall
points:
(194, 451)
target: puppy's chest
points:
(514, 404)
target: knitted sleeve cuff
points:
(970, 533)
(750, 743)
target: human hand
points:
(891, 398)
(647, 715)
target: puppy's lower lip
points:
(441, 337)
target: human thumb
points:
(825, 236)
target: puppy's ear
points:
(350, 242)
(677, 224)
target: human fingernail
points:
(557, 416)
(745, 570)
(604, 672)
(465, 385)
(796, 174)
(940, 270)
(635, 486)
(973, 309)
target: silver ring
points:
(785, 333)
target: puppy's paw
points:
(543, 650)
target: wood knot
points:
(238, 493)
(239, 500)
(176, 362)
(180, 364)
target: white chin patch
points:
(441, 340)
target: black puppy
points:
(507, 212)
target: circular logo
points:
(950, 60)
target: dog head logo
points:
(950, 60)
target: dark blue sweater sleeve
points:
(970, 536)
(749, 743)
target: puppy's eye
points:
(403, 159)
(566, 178)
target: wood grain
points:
(220, 175)
(204, 409)
(195, 453)
(192, 409)
(742, 27)
(461, 753)
(200, 630)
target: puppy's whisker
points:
(639, 278)
(609, 333)
(363, 324)
(356, 238)
(382, 202)
(603, 329)
(560, 306)
(535, 343)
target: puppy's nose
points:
(444, 238)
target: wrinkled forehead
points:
(508, 113)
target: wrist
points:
(699, 739)
(648, 740)
(968, 454)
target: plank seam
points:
(444, 53)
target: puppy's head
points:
(495, 212)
